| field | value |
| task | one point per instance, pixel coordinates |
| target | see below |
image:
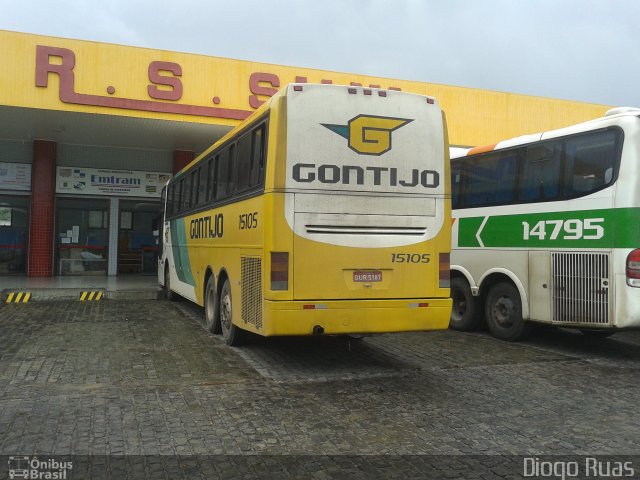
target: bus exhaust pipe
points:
(318, 330)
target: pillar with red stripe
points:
(42, 217)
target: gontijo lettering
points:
(211, 226)
(353, 174)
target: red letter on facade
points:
(64, 69)
(256, 89)
(154, 76)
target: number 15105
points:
(573, 229)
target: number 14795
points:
(573, 229)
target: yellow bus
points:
(328, 211)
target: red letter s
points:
(154, 76)
(256, 89)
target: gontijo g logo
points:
(368, 134)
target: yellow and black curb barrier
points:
(91, 296)
(18, 297)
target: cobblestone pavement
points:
(144, 378)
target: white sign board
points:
(15, 176)
(101, 181)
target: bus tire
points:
(464, 310)
(232, 335)
(211, 317)
(170, 295)
(503, 310)
(597, 333)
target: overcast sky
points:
(569, 49)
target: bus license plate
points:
(367, 276)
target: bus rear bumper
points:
(336, 317)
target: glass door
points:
(82, 236)
(14, 221)
(138, 246)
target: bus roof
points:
(281, 93)
(619, 112)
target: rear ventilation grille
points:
(581, 288)
(251, 279)
(368, 230)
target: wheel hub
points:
(209, 308)
(504, 312)
(225, 312)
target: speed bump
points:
(91, 296)
(18, 297)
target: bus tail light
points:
(444, 270)
(279, 270)
(633, 268)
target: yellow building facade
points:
(89, 131)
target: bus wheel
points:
(232, 335)
(211, 317)
(597, 333)
(503, 310)
(172, 297)
(464, 315)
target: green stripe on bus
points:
(180, 252)
(604, 228)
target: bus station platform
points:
(22, 289)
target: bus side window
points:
(194, 187)
(203, 174)
(178, 197)
(257, 157)
(186, 192)
(590, 160)
(211, 183)
(243, 163)
(540, 173)
(170, 191)
(491, 179)
(456, 184)
(232, 169)
(224, 174)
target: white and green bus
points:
(546, 229)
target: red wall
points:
(181, 158)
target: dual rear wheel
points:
(502, 310)
(218, 313)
